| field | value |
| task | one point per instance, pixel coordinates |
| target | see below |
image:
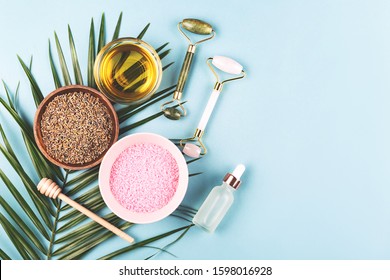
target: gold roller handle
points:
(184, 72)
(197, 27)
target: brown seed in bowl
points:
(76, 128)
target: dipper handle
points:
(51, 189)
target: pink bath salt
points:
(144, 177)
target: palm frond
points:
(90, 243)
(23, 226)
(91, 55)
(75, 60)
(80, 218)
(56, 77)
(142, 243)
(90, 194)
(4, 256)
(6, 142)
(84, 233)
(146, 120)
(117, 28)
(36, 157)
(127, 109)
(86, 229)
(23, 125)
(195, 174)
(193, 160)
(36, 91)
(14, 237)
(84, 183)
(141, 35)
(143, 107)
(61, 58)
(163, 249)
(11, 100)
(159, 49)
(41, 203)
(92, 203)
(167, 66)
(24, 205)
(102, 33)
(164, 54)
(83, 175)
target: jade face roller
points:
(195, 26)
(224, 64)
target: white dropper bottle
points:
(218, 202)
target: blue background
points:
(310, 120)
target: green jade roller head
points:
(195, 26)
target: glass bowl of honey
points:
(128, 71)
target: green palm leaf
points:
(64, 67)
(54, 71)
(117, 28)
(84, 183)
(80, 218)
(90, 243)
(128, 109)
(146, 120)
(88, 232)
(171, 243)
(83, 175)
(39, 201)
(11, 100)
(102, 33)
(23, 125)
(141, 35)
(75, 61)
(20, 222)
(37, 93)
(90, 194)
(91, 55)
(15, 237)
(86, 229)
(6, 142)
(3, 255)
(142, 243)
(167, 66)
(24, 205)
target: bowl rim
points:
(105, 172)
(127, 40)
(41, 109)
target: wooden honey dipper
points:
(51, 189)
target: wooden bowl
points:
(69, 89)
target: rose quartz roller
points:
(195, 26)
(51, 189)
(224, 64)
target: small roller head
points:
(49, 188)
(197, 26)
(191, 150)
(227, 64)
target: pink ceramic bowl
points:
(105, 170)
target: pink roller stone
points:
(191, 150)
